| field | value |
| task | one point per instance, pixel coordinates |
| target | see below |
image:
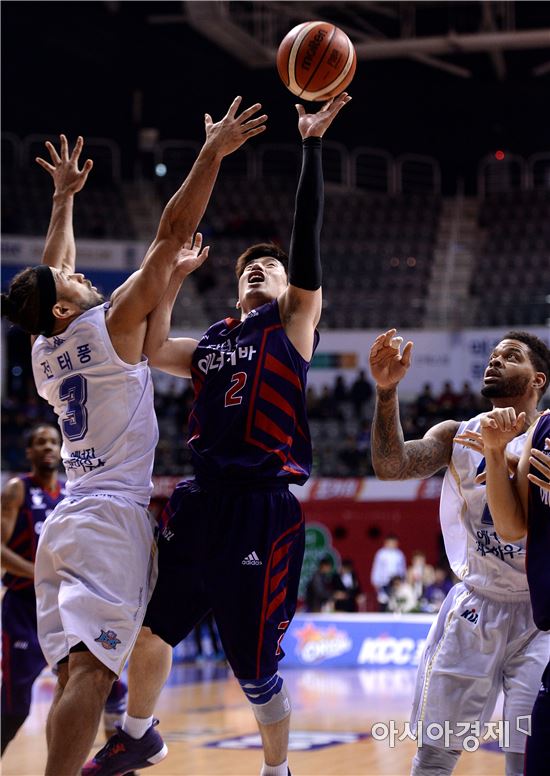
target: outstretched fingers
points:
(234, 107)
(77, 149)
(64, 146)
(56, 159)
(43, 163)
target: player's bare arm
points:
(141, 293)
(300, 303)
(68, 179)
(541, 462)
(173, 355)
(507, 499)
(392, 457)
(12, 499)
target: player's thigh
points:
(179, 599)
(254, 586)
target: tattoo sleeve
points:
(392, 457)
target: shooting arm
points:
(12, 500)
(395, 459)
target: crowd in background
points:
(399, 588)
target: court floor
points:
(210, 730)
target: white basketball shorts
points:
(475, 648)
(94, 574)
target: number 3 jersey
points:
(104, 406)
(248, 422)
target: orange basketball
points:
(316, 60)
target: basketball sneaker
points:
(122, 754)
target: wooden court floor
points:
(210, 730)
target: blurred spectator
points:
(467, 403)
(447, 402)
(401, 596)
(419, 574)
(340, 392)
(360, 394)
(320, 588)
(348, 596)
(312, 402)
(389, 562)
(435, 594)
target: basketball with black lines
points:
(316, 60)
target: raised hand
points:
(500, 426)
(228, 134)
(541, 461)
(316, 124)
(67, 178)
(190, 257)
(387, 365)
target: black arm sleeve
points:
(304, 260)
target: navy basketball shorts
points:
(536, 752)
(238, 553)
(22, 658)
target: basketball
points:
(316, 60)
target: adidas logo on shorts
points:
(251, 560)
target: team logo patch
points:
(471, 615)
(108, 639)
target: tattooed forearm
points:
(395, 459)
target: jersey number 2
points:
(74, 390)
(238, 381)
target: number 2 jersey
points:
(104, 406)
(248, 422)
(538, 534)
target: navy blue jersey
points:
(538, 541)
(248, 421)
(37, 505)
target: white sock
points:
(275, 770)
(137, 726)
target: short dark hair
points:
(21, 305)
(539, 353)
(257, 252)
(31, 433)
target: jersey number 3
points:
(238, 381)
(74, 390)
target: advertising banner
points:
(356, 640)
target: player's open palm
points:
(540, 460)
(191, 256)
(67, 178)
(500, 426)
(316, 124)
(388, 365)
(228, 134)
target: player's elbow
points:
(385, 471)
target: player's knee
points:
(432, 761)
(268, 697)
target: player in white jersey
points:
(484, 639)
(95, 557)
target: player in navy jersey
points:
(523, 507)
(26, 503)
(232, 540)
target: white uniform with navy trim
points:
(94, 564)
(484, 639)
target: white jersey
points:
(476, 554)
(105, 409)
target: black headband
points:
(47, 295)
